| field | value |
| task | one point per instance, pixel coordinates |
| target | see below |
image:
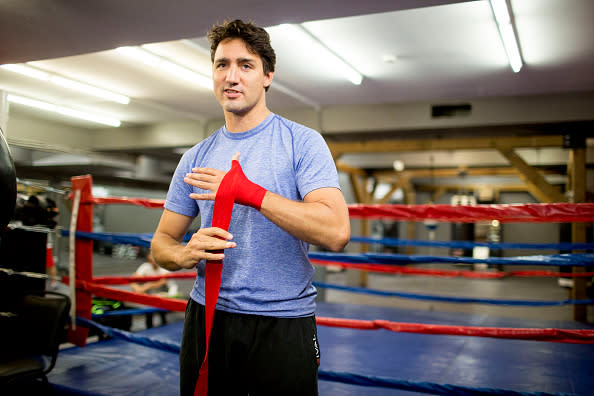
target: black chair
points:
(30, 338)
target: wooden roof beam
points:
(535, 181)
(409, 145)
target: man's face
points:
(238, 77)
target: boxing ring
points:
(365, 350)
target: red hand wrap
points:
(234, 187)
(246, 192)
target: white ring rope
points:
(41, 186)
(72, 257)
(37, 275)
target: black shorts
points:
(259, 355)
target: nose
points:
(232, 74)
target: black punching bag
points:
(8, 187)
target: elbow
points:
(340, 238)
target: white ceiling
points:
(445, 51)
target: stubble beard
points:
(238, 108)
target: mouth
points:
(231, 92)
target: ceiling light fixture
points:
(156, 61)
(502, 16)
(341, 66)
(29, 71)
(37, 104)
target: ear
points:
(268, 77)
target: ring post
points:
(83, 258)
(577, 161)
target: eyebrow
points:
(239, 60)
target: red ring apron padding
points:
(234, 185)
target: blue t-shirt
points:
(269, 272)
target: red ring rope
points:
(549, 213)
(580, 336)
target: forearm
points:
(321, 222)
(166, 251)
(154, 285)
(145, 287)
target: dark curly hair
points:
(256, 39)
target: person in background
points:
(163, 287)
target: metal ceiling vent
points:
(453, 110)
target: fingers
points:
(206, 179)
(214, 232)
(209, 243)
(203, 180)
(197, 175)
(207, 171)
(201, 185)
(203, 197)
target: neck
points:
(243, 122)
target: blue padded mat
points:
(116, 367)
(527, 366)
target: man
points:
(164, 287)
(264, 338)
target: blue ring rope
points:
(128, 312)
(467, 300)
(130, 337)
(425, 387)
(470, 244)
(560, 260)
(145, 241)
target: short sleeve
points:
(314, 165)
(178, 197)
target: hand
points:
(206, 244)
(206, 179)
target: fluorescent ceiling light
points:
(156, 61)
(341, 66)
(37, 104)
(27, 71)
(506, 32)
(66, 83)
(88, 89)
(194, 45)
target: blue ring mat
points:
(116, 367)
